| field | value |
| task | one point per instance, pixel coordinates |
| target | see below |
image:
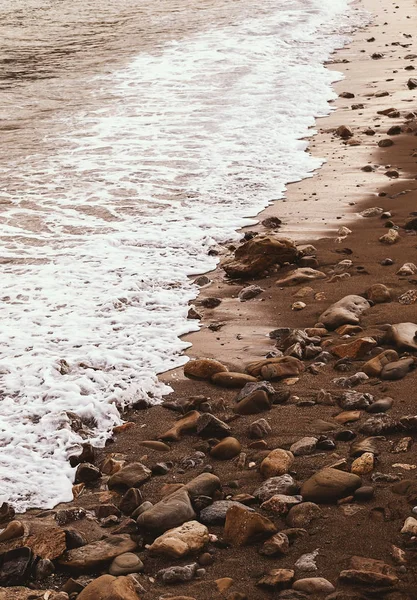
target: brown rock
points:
(253, 404)
(189, 538)
(346, 311)
(186, 424)
(344, 132)
(402, 335)
(108, 587)
(330, 485)
(277, 579)
(232, 380)
(348, 330)
(98, 553)
(276, 463)
(259, 254)
(243, 527)
(228, 448)
(155, 445)
(289, 365)
(24, 593)
(356, 349)
(131, 476)
(49, 543)
(398, 369)
(363, 464)
(13, 530)
(302, 515)
(378, 293)
(203, 368)
(374, 366)
(392, 237)
(224, 584)
(300, 276)
(348, 416)
(277, 545)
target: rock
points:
(402, 335)
(189, 538)
(7, 513)
(357, 349)
(277, 579)
(187, 424)
(155, 445)
(210, 302)
(215, 514)
(353, 400)
(250, 292)
(363, 464)
(305, 446)
(87, 473)
(364, 493)
(385, 143)
(298, 306)
(203, 368)
(291, 595)
(131, 476)
(224, 584)
(348, 416)
(260, 253)
(411, 225)
(329, 485)
(380, 406)
(130, 501)
(410, 526)
(346, 311)
(378, 293)
(275, 368)
(398, 369)
(314, 585)
(243, 527)
(24, 593)
(271, 222)
(412, 83)
(375, 211)
(348, 382)
(379, 425)
(126, 563)
(374, 366)
(210, 426)
(44, 568)
(302, 515)
(409, 297)
(307, 562)
(13, 530)
(300, 276)
(171, 511)
(344, 132)
(108, 587)
(232, 380)
(346, 95)
(392, 237)
(276, 463)
(274, 486)
(178, 574)
(277, 545)
(15, 566)
(367, 571)
(392, 174)
(407, 270)
(49, 543)
(204, 484)
(280, 504)
(97, 553)
(228, 448)
(259, 429)
(255, 403)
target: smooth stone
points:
(348, 310)
(215, 514)
(87, 473)
(227, 449)
(364, 493)
(274, 486)
(97, 553)
(329, 485)
(249, 292)
(375, 365)
(302, 515)
(232, 380)
(155, 445)
(108, 587)
(278, 462)
(203, 368)
(380, 406)
(131, 476)
(398, 370)
(255, 403)
(13, 530)
(314, 585)
(191, 537)
(171, 511)
(243, 527)
(300, 276)
(126, 563)
(187, 424)
(378, 293)
(306, 445)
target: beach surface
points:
(354, 225)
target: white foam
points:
(183, 147)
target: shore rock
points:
(131, 476)
(398, 369)
(329, 485)
(277, 545)
(368, 571)
(15, 566)
(181, 541)
(275, 486)
(203, 368)
(259, 429)
(276, 463)
(98, 553)
(13, 530)
(305, 446)
(170, 512)
(24, 593)
(228, 448)
(126, 563)
(210, 426)
(250, 292)
(314, 585)
(277, 579)
(259, 254)
(299, 276)
(374, 366)
(187, 424)
(402, 335)
(108, 587)
(302, 515)
(243, 527)
(49, 543)
(173, 575)
(232, 380)
(378, 293)
(346, 311)
(356, 349)
(253, 404)
(215, 514)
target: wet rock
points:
(397, 370)
(131, 476)
(250, 292)
(274, 486)
(363, 464)
(302, 515)
(97, 553)
(232, 380)
(126, 563)
(356, 349)
(255, 403)
(306, 445)
(348, 310)
(15, 566)
(130, 501)
(300, 276)
(374, 366)
(215, 514)
(178, 574)
(108, 587)
(203, 368)
(314, 585)
(187, 424)
(228, 448)
(276, 463)
(259, 429)
(13, 530)
(7, 513)
(344, 132)
(277, 579)
(243, 527)
(257, 255)
(329, 485)
(189, 538)
(378, 293)
(277, 545)
(210, 426)
(87, 473)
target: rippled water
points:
(135, 136)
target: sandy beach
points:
(347, 534)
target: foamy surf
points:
(104, 222)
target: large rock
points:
(403, 336)
(259, 254)
(131, 476)
(300, 276)
(180, 541)
(243, 527)
(203, 368)
(329, 485)
(108, 587)
(49, 543)
(170, 512)
(374, 366)
(98, 553)
(276, 368)
(348, 310)
(276, 463)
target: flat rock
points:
(98, 553)
(108, 587)
(356, 349)
(329, 485)
(189, 538)
(300, 276)
(275, 368)
(348, 310)
(232, 380)
(203, 368)
(49, 543)
(126, 563)
(305, 446)
(131, 476)
(403, 336)
(277, 579)
(314, 585)
(276, 463)
(243, 527)
(260, 253)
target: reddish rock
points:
(243, 527)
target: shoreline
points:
(237, 333)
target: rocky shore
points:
(283, 465)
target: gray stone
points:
(177, 574)
(275, 486)
(171, 511)
(215, 514)
(305, 446)
(348, 310)
(131, 476)
(250, 292)
(403, 336)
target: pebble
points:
(306, 445)
(126, 563)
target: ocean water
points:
(135, 137)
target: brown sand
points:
(313, 211)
